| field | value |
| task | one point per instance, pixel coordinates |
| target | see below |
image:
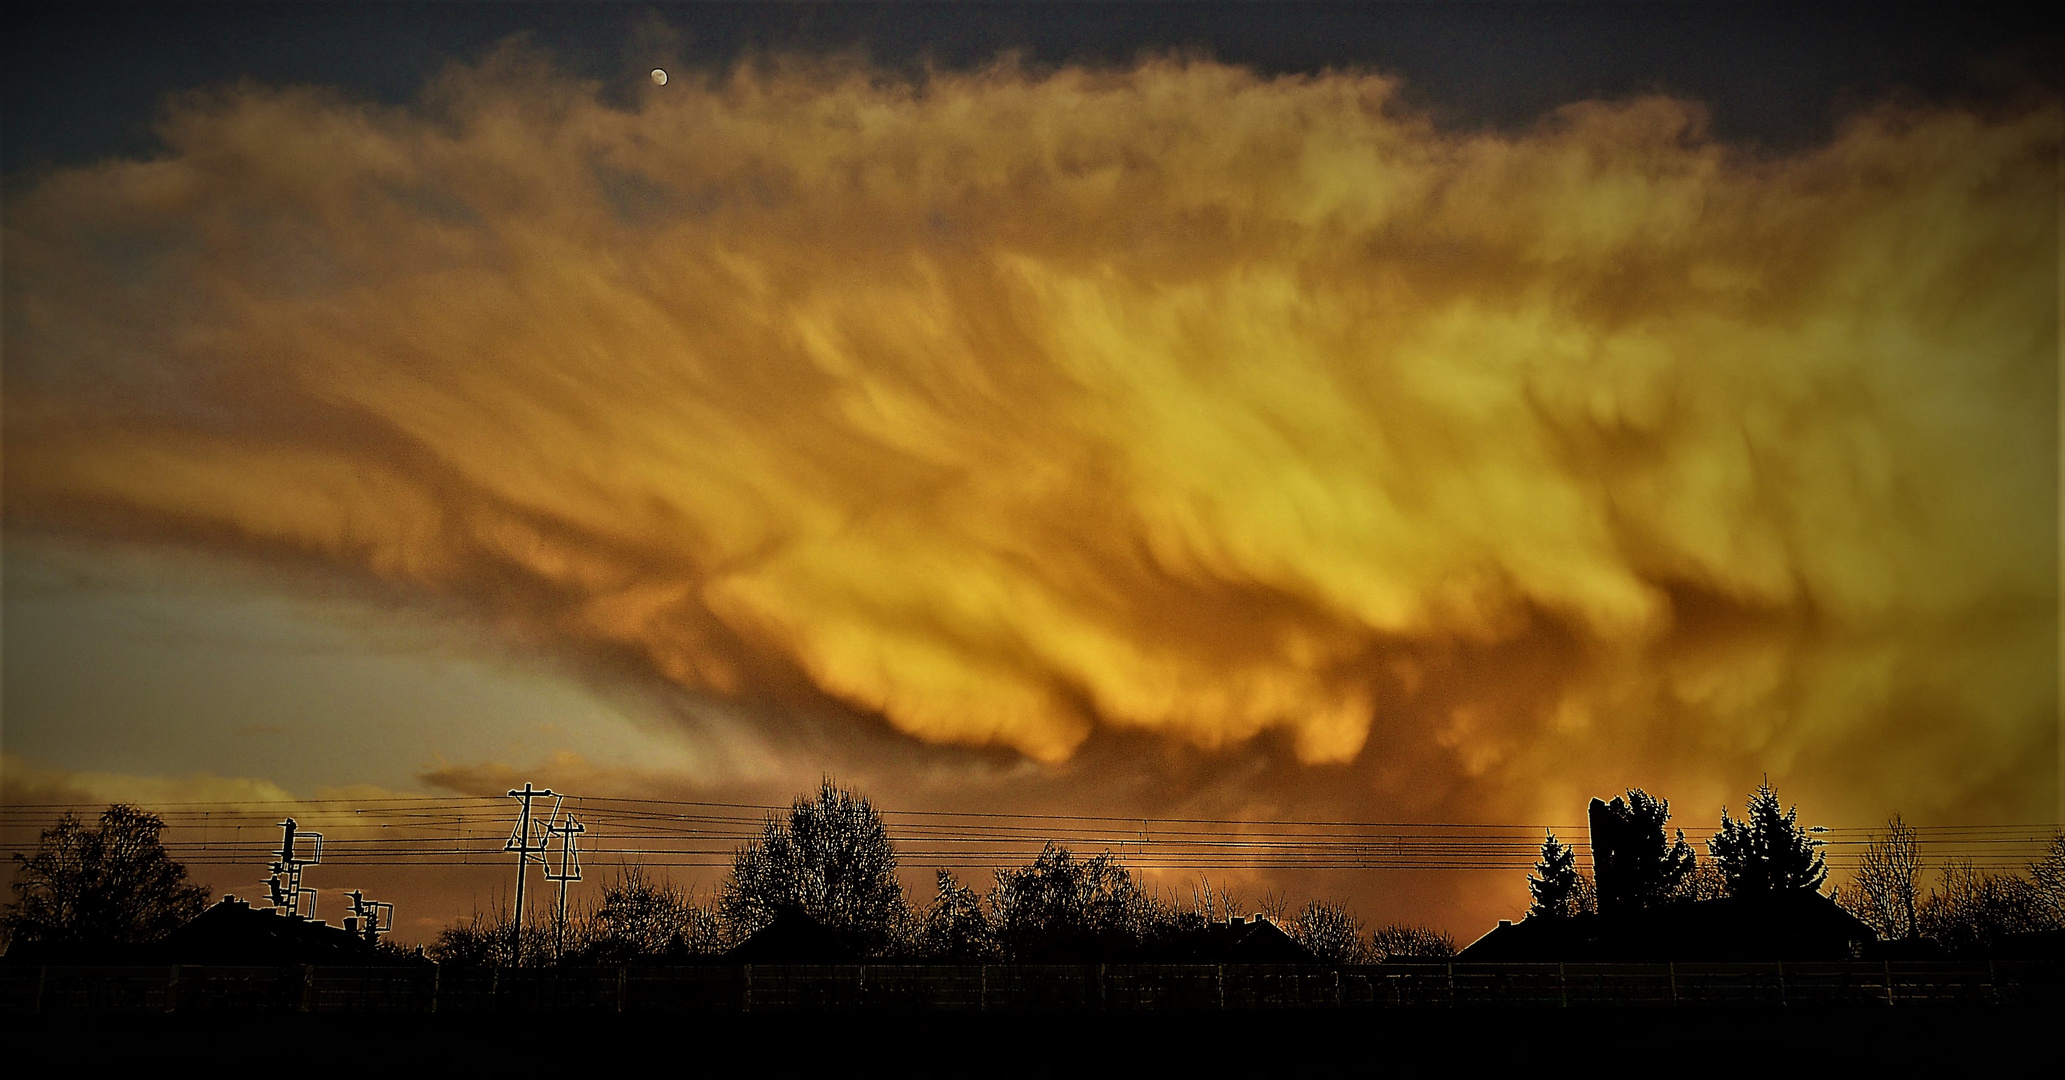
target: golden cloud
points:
(1177, 400)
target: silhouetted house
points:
(231, 932)
(1235, 941)
(794, 938)
(1791, 926)
(234, 932)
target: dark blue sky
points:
(82, 80)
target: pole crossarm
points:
(520, 843)
(569, 836)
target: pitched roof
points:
(1786, 926)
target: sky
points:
(1407, 413)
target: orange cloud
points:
(1015, 408)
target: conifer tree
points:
(1636, 864)
(1554, 883)
(1767, 851)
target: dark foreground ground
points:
(1676, 1042)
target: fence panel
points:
(1000, 987)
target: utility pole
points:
(520, 842)
(569, 870)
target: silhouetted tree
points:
(831, 859)
(1209, 905)
(483, 940)
(2049, 875)
(644, 917)
(111, 884)
(1587, 899)
(1969, 912)
(1401, 941)
(1061, 907)
(1635, 866)
(1330, 932)
(1703, 882)
(1767, 852)
(954, 926)
(1554, 883)
(1886, 891)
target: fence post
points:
(42, 973)
(308, 988)
(1781, 984)
(437, 978)
(1674, 983)
(1451, 984)
(746, 1000)
(172, 989)
(1103, 1001)
(623, 979)
(1562, 985)
(1888, 966)
(982, 993)
(1219, 977)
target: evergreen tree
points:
(1636, 865)
(1554, 882)
(1767, 851)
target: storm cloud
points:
(1166, 405)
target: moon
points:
(659, 76)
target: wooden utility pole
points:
(520, 842)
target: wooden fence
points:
(188, 989)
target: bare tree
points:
(1059, 907)
(647, 916)
(1585, 900)
(484, 939)
(1401, 941)
(1970, 911)
(2049, 874)
(831, 859)
(107, 884)
(1886, 891)
(954, 926)
(1703, 882)
(1330, 932)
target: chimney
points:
(1233, 920)
(351, 924)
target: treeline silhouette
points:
(822, 881)
(1768, 855)
(820, 884)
